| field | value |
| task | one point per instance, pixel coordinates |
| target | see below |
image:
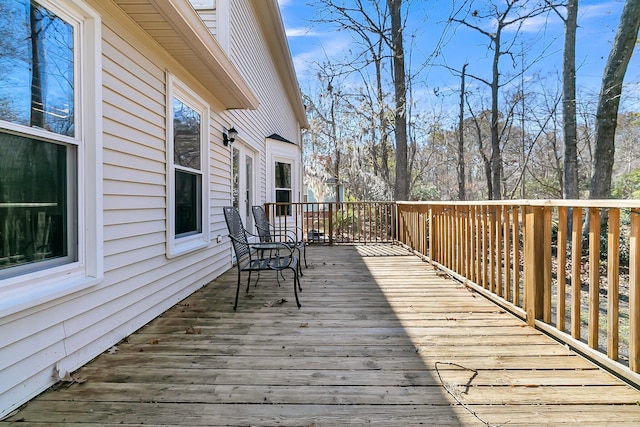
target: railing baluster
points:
(468, 226)
(331, 223)
(613, 282)
(576, 282)
(499, 252)
(491, 223)
(449, 237)
(507, 252)
(486, 252)
(562, 270)
(472, 242)
(516, 255)
(459, 241)
(594, 276)
(634, 292)
(547, 265)
(479, 255)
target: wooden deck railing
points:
(331, 222)
(579, 283)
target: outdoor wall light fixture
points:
(228, 136)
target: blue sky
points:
(598, 21)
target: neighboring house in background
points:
(323, 192)
(113, 170)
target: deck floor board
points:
(379, 340)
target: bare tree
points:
(368, 22)
(503, 15)
(609, 100)
(570, 175)
(327, 142)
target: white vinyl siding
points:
(140, 281)
(250, 53)
(217, 21)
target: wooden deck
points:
(379, 339)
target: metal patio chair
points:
(258, 256)
(268, 233)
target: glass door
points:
(242, 178)
(248, 190)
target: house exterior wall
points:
(140, 280)
(250, 54)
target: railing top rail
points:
(585, 203)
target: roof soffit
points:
(178, 28)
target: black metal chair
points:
(258, 256)
(268, 233)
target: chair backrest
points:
(262, 224)
(236, 232)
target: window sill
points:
(191, 245)
(22, 298)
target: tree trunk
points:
(570, 188)
(400, 87)
(382, 122)
(609, 100)
(485, 161)
(461, 176)
(496, 154)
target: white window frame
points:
(31, 289)
(177, 246)
(291, 162)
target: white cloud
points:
(599, 10)
(332, 47)
(535, 24)
(283, 3)
(300, 32)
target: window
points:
(36, 212)
(50, 184)
(188, 169)
(283, 188)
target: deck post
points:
(534, 263)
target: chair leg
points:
(299, 264)
(235, 306)
(296, 281)
(249, 281)
(258, 278)
(304, 250)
